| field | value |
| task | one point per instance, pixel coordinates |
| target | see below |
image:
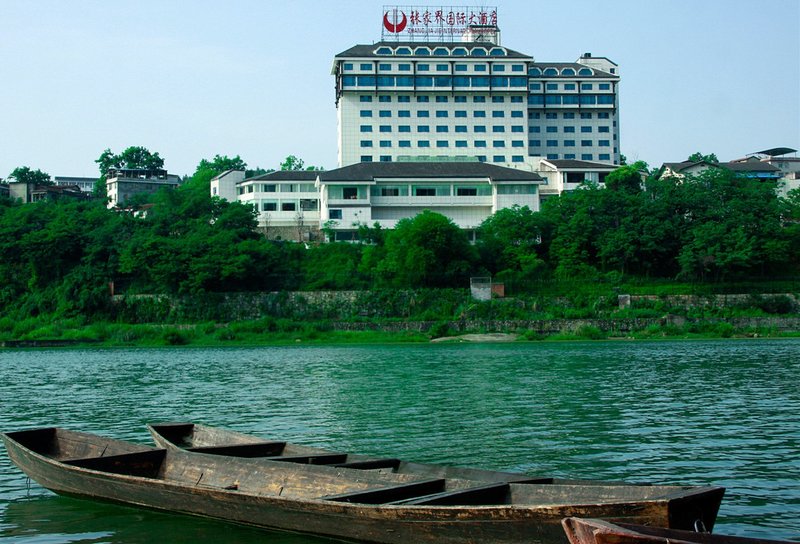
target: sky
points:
(192, 79)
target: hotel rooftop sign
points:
(435, 23)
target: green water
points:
(723, 413)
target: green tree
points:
(428, 250)
(25, 175)
(294, 163)
(698, 157)
(626, 178)
(510, 243)
(134, 157)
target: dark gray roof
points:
(575, 66)
(566, 164)
(749, 166)
(368, 50)
(287, 175)
(367, 171)
(777, 151)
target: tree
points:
(294, 163)
(510, 241)
(220, 164)
(699, 157)
(428, 250)
(135, 157)
(24, 174)
(626, 178)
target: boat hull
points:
(141, 479)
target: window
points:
(335, 213)
(550, 72)
(603, 129)
(460, 113)
(479, 113)
(567, 72)
(535, 86)
(498, 68)
(552, 156)
(349, 81)
(386, 143)
(569, 115)
(366, 143)
(498, 143)
(586, 143)
(569, 156)
(478, 52)
(460, 99)
(480, 128)
(423, 67)
(604, 157)
(268, 188)
(499, 158)
(424, 191)
(498, 99)
(424, 143)
(516, 189)
(365, 98)
(385, 128)
(459, 51)
(498, 113)
(288, 206)
(404, 113)
(366, 66)
(404, 98)
(569, 86)
(586, 157)
(569, 130)
(461, 128)
(406, 81)
(517, 158)
(569, 143)
(461, 67)
(602, 115)
(479, 67)
(605, 99)
(604, 86)
(585, 72)
(423, 113)
(423, 98)
(517, 114)
(552, 86)
(479, 99)
(586, 116)
(442, 68)
(535, 129)
(481, 158)
(586, 129)
(309, 204)
(404, 143)
(517, 143)
(604, 143)
(535, 143)
(367, 81)
(551, 116)
(461, 143)
(517, 68)
(402, 51)
(441, 52)
(386, 158)
(442, 128)
(480, 143)
(552, 143)
(404, 67)
(385, 113)
(498, 128)
(517, 128)
(441, 113)
(441, 99)
(348, 65)
(384, 98)
(270, 206)
(423, 128)
(366, 128)
(404, 128)
(552, 129)
(535, 115)
(384, 67)
(366, 113)
(442, 143)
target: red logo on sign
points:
(395, 27)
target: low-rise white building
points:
(567, 175)
(86, 185)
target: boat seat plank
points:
(494, 493)
(371, 464)
(389, 495)
(316, 459)
(145, 464)
(261, 449)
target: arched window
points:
(422, 51)
(567, 72)
(551, 72)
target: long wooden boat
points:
(598, 531)
(346, 503)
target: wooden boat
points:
(346, 503)
(598, 531)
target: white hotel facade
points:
(463, 128)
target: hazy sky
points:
(191, 79)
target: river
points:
(702, 412)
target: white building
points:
(567, 175)
(86, 185)
(123, 183)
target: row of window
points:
(480, 158)
(305, 205)
(442, 99)
(443, 143)
(584, 156)
(441, 114)
(569, 143)
(571, 115)
(571, 99)
(435, 81)
(569, 86)
(442, 129)
(535, 71)
(423, 67)
(552, 129)
(459, 51)
(277, 188)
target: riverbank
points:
(72, 333)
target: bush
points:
(174, 337)
(590, 332)
(440, 329)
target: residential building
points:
(567, 175)
(755, 169)
(31, 192)
(224, 184)
(778, 157)
(86, 185)
(123, 183)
